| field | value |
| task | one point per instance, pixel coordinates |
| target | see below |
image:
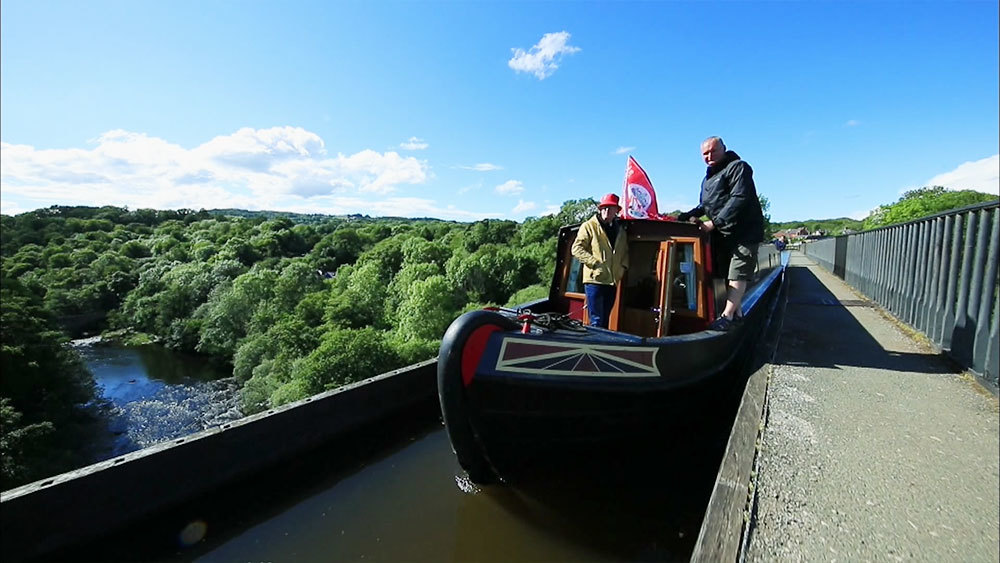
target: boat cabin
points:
(667, 290)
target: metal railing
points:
(937, 274)
(767, 257)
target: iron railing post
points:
(984, 286)
(951, 296)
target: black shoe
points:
(722, 324)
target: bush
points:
(427, 310)
(530, 293)
(290, 392)
(345, 356)
(43, 390)
(922, 202)
(257, 391)
(414, 350)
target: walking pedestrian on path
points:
(874, 448)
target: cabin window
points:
(685, 290)
(641, 286)
(574, 278)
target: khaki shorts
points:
(743, 263)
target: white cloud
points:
(623, 150)
(451, 212)
(391, 206)
(482, 167)
(510, 187)
(551, 210)
(469, 188)
(276, 141)
(414, 144)
(523, 206)
(542, 59)
(10, 207)
(980, 175)
(852, 123)
(251, 168)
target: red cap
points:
(609, 200)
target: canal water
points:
(150, 394)
(395, 492)
(415, 504)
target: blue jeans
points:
(600, 300)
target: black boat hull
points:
(508, 398)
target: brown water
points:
(393, 491)
(414, 504)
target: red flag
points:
(640, 199)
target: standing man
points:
(602, 246)
(735, 220)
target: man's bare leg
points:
(734, 298)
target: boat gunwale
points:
(626, 384)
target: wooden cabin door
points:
(666, 264)
(642, 306)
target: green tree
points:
(362, 302)
(386, 256)
(922, 202)
(491, 273)
(538, 229)
(576, 211)
(402, 283)
(268, 376)
(417, 250)
(21, 457)
(765, 207)
(297, 278)
(240, 249)
(134, 249)
(336, 249)
(528, 294)
(43, 389)
(429, 307)
(345, 356)
(489, 231)
(230, 309)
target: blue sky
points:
(466, 110)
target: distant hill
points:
(829, 226)
(314, 218)
(913, 205)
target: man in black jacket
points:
(735, 220)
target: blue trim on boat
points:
(754, 294)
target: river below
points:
(151, 394)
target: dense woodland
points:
(295, 304)
(295, 308)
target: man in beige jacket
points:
(602, 246)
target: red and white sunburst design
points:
(556, 358)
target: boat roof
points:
(641, 228)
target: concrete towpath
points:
(874, 448)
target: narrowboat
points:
(515, 382)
